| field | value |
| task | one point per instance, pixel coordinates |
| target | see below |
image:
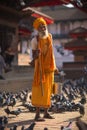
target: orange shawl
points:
(45, 63)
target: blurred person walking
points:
(3, 66)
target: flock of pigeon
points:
(71, 90)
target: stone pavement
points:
(20, 80)
(26, 118)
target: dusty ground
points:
(26, 118)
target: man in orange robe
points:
(42, 51)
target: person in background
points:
(42, 52)
(3, 67)
(9, 56)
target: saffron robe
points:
(43, 73)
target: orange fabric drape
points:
(45, 62)
(46, 65)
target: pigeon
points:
(7, 111)
(5, 120)
(83, 100)
(23, 127)
(1, 100)
(68, 127)
(2, 127)
(12, 102)
(11, 128)
(15, 127)
(1, 121)
(31, 126)
(81, 108)
(15, 112)
(81, 125)
(45, 128)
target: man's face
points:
(42, 29)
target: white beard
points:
(43, 34)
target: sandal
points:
(48, 116)
(38, 118)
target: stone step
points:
(16, 84)
(19, 78)
(19, 71)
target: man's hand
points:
(36, 53)
(56, 71)
(61, 73)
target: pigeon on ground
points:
(81, 109)
(68, 127)
(15, 112)
(45, 128)
(81, 125)
(23, 127)
(15, 127)
(31, 127)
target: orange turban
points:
(39, 21)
